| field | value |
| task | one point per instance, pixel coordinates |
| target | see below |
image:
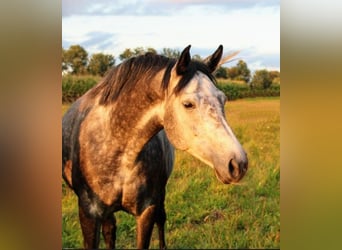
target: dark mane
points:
(122, 78)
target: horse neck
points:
(134, 119)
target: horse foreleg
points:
(109, 231)
(145, 223)
(160, 220)
(90, 230)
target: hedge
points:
(75, 86)
(238, 91)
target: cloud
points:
(89, 7)
(255, 30)
(96, 38)
(154, 7)
(110, 7)
(231, 3)
(94, 42)
(269, 62)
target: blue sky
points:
(110, 26)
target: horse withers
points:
(118, 137)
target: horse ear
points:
(213, 61)
(183, 61)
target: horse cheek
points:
(172, 128)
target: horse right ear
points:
(183, 61)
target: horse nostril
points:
(234, 168)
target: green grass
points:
(202, 212)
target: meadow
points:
(201, 211)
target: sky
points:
(111, 26)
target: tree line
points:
(76, 61)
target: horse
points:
(118, 140)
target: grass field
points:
(201, 211)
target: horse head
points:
(194, 117)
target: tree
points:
(64, 62)
(197, 57)
(232, 73)
(221, 72)
(151, 50)
(171, 53)
(138, 51)
(243, 72)
(261, 79)
(76, 57)
(99, 63)
(275, 76)
(239, 72)
(128, 53)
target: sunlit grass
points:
(201, 211)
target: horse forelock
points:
(124, 77)
(189, 74)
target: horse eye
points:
(188, 105)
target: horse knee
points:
(161, 216)
(109, 231)
(90, 230)
(145, 224)
(160, 220)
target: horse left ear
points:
(183, 61)
(213, 61)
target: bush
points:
(233, 91)
(75, 86)
(261, 79)
(237, 91)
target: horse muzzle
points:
(236, 169)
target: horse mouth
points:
(224, 180)
(232, 174)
